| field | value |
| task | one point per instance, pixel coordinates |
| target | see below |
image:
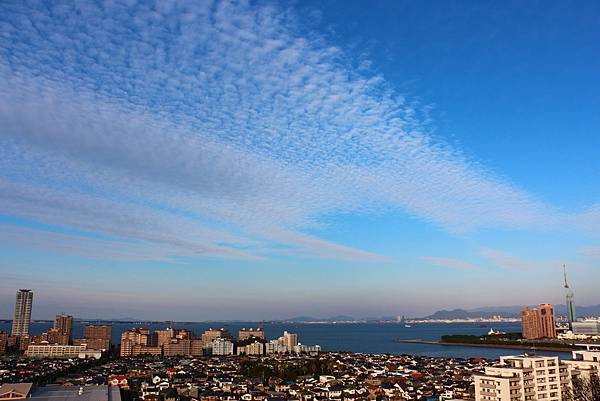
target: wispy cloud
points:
(217, 129)
(590, 251)
(508, 261)
(450, 263)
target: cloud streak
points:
(449, 263)
(216, 129)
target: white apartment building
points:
(585, 362)
(221, 346)
(523, 378)
(54, 351)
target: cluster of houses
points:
(284, 377)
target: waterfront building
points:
(97, 344)
(523, 378)
(54, 351)
(538, 322)
(210, 335)
(98, 331)
(139, 349)
(289, 340)
(251, 346)
(307, 349)
(221, 346)
(96, 337)
(570, 301)
(134, 337)
(247, 333)
(63, 324)
(164, 336)
(587, 327)
(22, 316)
(183, 334)
(177, 347)
(56, 336)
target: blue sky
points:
(262, 160)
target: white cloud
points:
(217, 129)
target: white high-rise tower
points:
(22, 319)
(570, 301)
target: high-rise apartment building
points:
(164, 336)
(221, 346)
(96, 337)
(289, 340)
(538, 322)
(248, 333)
(177, 347)
(135, 337)
(96, 331)
(210, 335)
(523, 378)
(63, 324)
(22, 319)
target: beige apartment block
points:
(523, 378)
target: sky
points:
(260, 160)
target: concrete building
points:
(134, 337)
(96, 337)
(98, 331)
(196, 348)
(587, 327)
(523, 378)
(22, 317)
(289, 340)
(63, 324)
(164, 336)
(145, 350)
(585, 363)
(22, 391)
(538, 322)
(3, 342)
(251, 346)
(221, 346)
(176, 347)
(210, 335)
(97, 344)
(54, 351)
(247, 333)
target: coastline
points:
(507, 346)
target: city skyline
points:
(259, 161)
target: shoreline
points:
(507, 346)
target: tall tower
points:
(570, 300)
(22, 319)
(63, 323)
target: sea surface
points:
(354, 337)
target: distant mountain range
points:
(507, 311)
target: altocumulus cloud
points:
(158, 130)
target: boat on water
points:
(407, 325)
